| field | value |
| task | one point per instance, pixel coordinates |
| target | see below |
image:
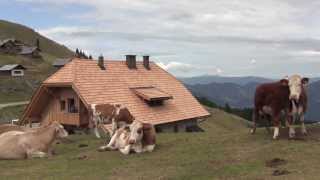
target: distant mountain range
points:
(239, 91)
(241, 80)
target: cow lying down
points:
(137, 137)
(9, 127)
(31, 143)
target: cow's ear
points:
(305, 81)
(284, 82)
(146, 126)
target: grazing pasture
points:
(225, 150)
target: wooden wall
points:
(53, 111)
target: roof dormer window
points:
(151, 95)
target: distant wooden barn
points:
(150, 93)
(60, 62)
(13, 46)
(10, 46)
(14, 70)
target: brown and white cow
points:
(271, 99)
(298, 102)
(138, 137)
(116, 114)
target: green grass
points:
(224, 151)
(9, 113)
(14, 89)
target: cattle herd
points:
(285, 98)
(127, 134)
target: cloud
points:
(182, 68)
(309, 53)
(176, 66)
(194, 37)
(253, 61)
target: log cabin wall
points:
(63, 106)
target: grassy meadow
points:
(224, 151)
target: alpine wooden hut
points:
(150, 93)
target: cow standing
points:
(271, 99)
(116, 114)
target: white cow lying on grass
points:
(32, 143)
(137, 137)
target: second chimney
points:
(146, 62)
(131, 61)
(101, 62)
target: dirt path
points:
(13, 104)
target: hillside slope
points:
(38, 69)
(224, 151)
(29, 36)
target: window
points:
(17, 72)
(72, 106)
(62, 105)
(155, 103)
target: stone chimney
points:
(101, 62)
(131, 61)
(146, 62)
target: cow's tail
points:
(254, 121)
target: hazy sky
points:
(271, 38)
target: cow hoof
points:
(292, 136)
(305, 133)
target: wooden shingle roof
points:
(115, 84)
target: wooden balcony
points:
(68, 118)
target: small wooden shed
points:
(150, 93)
(14, 70)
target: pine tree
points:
(227, 108)
(38, 43)
(77, 53)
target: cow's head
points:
(143, 133)
(136, 132)
(59, 129)
(296, 85)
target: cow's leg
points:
(255, 115)
(37, 154)
(113, 139)
(125, 150)
(96, 132)
(303, 127)
(111, 145)
(268, 120)
(276, 121)
(95, 126)
(114, 126)
(290, 122)
(148, 148)
(137, 148)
